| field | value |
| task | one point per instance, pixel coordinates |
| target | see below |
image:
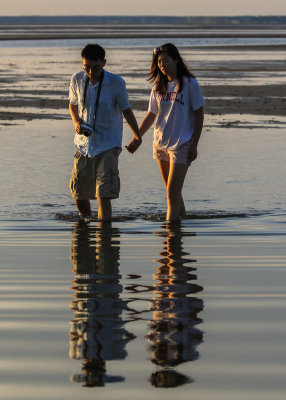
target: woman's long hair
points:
(158, 79)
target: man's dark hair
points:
(93, 52)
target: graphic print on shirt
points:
(172, 96)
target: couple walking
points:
(98, 99)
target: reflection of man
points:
(97, 333)
(97, 101)
(173, 334)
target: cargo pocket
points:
(74, 185)
(74, 178)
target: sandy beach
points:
(138, 308)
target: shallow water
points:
(146, 42)
(238, 173)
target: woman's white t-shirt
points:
(176, 119)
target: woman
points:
(177, 102)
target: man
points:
(98, 99)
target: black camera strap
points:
(97, 95)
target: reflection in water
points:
(97, 333)
(174, 335)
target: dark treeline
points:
(191, 20)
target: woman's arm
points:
(199, 120)
(144, 127)
(147, 123)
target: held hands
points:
(133, 145)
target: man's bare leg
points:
(104, 209)
(83, 207)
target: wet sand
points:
(257, 100)
(35, 85)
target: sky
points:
(146, 7)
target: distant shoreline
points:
(50, 32)
(141, 27)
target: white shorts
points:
(177, 156)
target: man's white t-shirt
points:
(109, 124)
(176, 119)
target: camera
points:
(86, 130)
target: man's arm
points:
(75, 117)
(131, 120)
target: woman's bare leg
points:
(164, 168)
(176, 179)
(183, 210)
(173, 177)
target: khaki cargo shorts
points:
(97, 176)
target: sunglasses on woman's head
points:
(164, 47)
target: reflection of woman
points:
(97, 332)
(174, 335)
(168, 378)
(177, 101)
